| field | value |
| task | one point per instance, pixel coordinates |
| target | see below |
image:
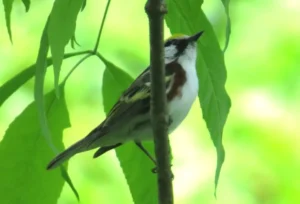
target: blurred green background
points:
(261, 135)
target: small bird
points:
(129, 118)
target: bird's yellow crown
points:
(176, 35)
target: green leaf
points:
(16, 82)
(26, 4)
(228, 25)
(62, 23)
(39, 84)
(64, 174)
(41, 65)
(7, 9)
(24, 154)
(83, 5)
(22, 77)
(74, 42)
(186, 16)
(135, 165)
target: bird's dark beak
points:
(195, 37)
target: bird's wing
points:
(135, 100)
(134, 103)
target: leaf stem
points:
(101, 27)
(76, 65)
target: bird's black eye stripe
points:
(181, 46)
(170, 42)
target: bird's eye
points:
(168, 43)
(176, 42)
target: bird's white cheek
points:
(170, 53)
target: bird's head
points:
(181, 45)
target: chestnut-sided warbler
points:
(129, 119)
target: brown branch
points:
(159, 113)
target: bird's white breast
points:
(180, 106)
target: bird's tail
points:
(80, 146)
(91, 141)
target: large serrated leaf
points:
(7, 9)
(136, 166)
(24, 154)
(186, 16)
(62, 23)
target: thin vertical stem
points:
(159, 113)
